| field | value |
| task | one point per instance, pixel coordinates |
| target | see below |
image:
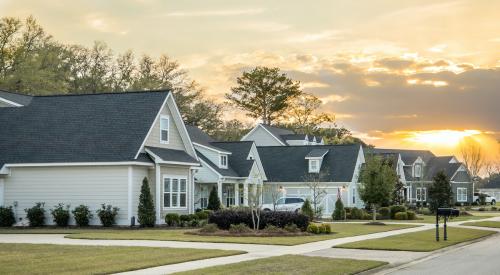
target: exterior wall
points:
(468, 185)
(206, 174)
(90, 185)
(202, 190)
(209, 154)
(297, 142)
(175, 140)
(138, 175)
(262, 138)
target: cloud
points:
(315, 37)
(234, 12)
(104, 23)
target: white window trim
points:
(425, 193)
(220, 161)
(458, 197)
(311, 170)
(179, 178)
(419, 165)
(168, 129)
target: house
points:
(417, 168)
(93, 149)
(267, 135)
(233, 168)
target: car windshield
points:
(280, 201)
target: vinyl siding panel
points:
(92, 186)
(138, 175)
(263, 138)
(175, 140)
(209, 154)
(205, 174)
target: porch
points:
(230, 193)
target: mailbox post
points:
(445, 213)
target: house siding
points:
(468, 185)
(175, 140)
(209, 154)
(138, 175)
(262, 138)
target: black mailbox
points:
(448, 212)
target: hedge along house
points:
(234, 169)
(93, 149)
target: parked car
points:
(285, 204)
(487, 198)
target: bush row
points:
(319, 229)
(192, 220)
(224, 218)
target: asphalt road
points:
(478, 258)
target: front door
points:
(229, 195)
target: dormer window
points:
(418, 171)
(223, 161)
(164, 129)
(314, 166)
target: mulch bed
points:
(225, 233)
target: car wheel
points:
(267, 210)
(493, 202)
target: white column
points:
(2, 192)
(129, 192)
(237, 194)
(245, 194)
(158, 193)
(219, 191)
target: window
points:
(418, 170)
(421, 194)
(164, 126)
(461, 194)
(223, 161)
(174, 192)
(280, 201)
(293, 200)
(354, 196)
(313, 166)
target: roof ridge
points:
(316, 146)
(106, 93)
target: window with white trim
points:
(174, 192)
(418, 170)
(223, 161)
(421, 193)
(461, 194)
(313, 166)
(164, 129)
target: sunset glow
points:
(447, 138)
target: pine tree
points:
(213, 200)
(440, 193)
(146, 209)
(307, 209)
(339, 212)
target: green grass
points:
(491, 224)
(432, 219)
(75, 259)
(291, 264)
(420, 241)
(340, 231)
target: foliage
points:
(60, 214)
(319, 229)
(82, 215)
(385, 212)
(231, 130)
(146, 210)
(36, 214)
(356, 213)
(264, 93)
(440, 193)
(203, 215)
(307, 209)
(377, 182)
(313, 228)
(213, 200)
(303, 114)
(317, 190)
(107, 214)
(273, 229)
(7, 217)
(401, 216)
(239, 228)
(411, 215)
(398, 195)
(395, 209)
(209, 228)
(172, 219)
(292, 228)
(339, 212)
(482, 199)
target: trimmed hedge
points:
(385, 213)
(7, 216)
(395, 209)
(226, 217)
(401, 216)
(172, 219)
(411, 215)
(36, 214)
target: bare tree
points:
(275, 193)
(318, 192)
(255, 204)
(473, 157)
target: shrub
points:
(425, 211)
(395, 209)
(348, 216)
(481, 209)
(172, 219)
(312, 228)
(401, 216)
(385, 213)
(273, 229)
(327, 229)
(411, 215)
(283, 218)
(209, 228)
(146, 209)
(292, 228)
(339, 212)
(213, 200)
(348, 210)
(107, 214)
(36, 214)
(239, 228)
(82, 215)
(368, 216)
(307, 209)
(494, 208)
(356, 214)
(203, 214)
(7, 216)
(60, 214)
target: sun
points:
(448, 138)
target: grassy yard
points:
(339, 231)
(73, 259)
(491, 224)
(291, 264)
(420, 241)
(432, 219)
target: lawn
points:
(420, 241)
(72, 259)
(339, 231)
(291, 264)
(432, 219)
(491, 224)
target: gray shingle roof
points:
(288, 163)
(198, 136)
(317, 153)
(437, 164)
(238, 159)
(407, 156)
(78, 128)
(172, 155)
(293, 137)
(229, 172)
(17, 98)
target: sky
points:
(402, 74)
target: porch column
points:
(245, 194)
(237, 194)
(219, 191)
(158, 193)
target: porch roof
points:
(172, 155)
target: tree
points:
(146, 209)
(440, 193)
(473, 157)
(213, 200)
(307, 210)
(231, 130)
(377, 182)
(255, 204)
(398, 193)
(303, 114)
(264, 93)
(317, 191)
(339, 212)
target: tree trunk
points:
(374, 212)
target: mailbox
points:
(448, 212)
